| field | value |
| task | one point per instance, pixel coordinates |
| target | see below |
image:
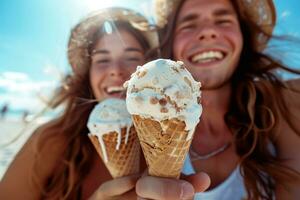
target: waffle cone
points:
(125, 160)
(164, 151)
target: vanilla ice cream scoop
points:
(109, 116)
(163, 89)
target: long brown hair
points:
(77, 97)
(256, 109)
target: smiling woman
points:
(59, 156)
(114, 57)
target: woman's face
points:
(114, 58)
(208, 40)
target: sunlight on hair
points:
(107, 27)
(110, 27)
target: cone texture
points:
(124, 161)
(164, 151)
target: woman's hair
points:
(116, 26)
(256, 109)
(76, 95)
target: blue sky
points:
(34, 34)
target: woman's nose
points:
(116, 70)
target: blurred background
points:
(33, 60)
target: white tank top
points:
(232, 188)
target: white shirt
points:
(232, 188)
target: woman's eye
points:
(132, 59)
(102, 61)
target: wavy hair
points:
(253, 117)
(76, 95)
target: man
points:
(248, 137)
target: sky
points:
(34, 35)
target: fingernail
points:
(187, 191)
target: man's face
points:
(208, 40)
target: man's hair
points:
(257, 108)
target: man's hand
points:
(119, 188)
(149, 187)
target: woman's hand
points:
(119, 188)
(149, 187)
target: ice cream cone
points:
(164, 147)
(114, 137)
(123, 161)
(164, 101)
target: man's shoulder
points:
(293, 84)
(291, 93)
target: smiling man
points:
(248, 136)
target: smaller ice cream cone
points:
(125, 160)
(114, 137)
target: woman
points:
(248, 137)
(59, 161)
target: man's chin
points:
(214, 85)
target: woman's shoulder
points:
(37, 158)
(49, 137)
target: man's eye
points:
(223, 22)
(186, 27)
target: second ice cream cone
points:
(114, 137)
(123, 161)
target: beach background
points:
(33, 60)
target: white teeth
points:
(208, 56)
(115, 89)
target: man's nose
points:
(207, 32)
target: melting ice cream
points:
(107, 117)
(164, 89)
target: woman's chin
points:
(117, 95)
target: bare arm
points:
(17, 181)
(288, 143)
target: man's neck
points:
(212, 131)
(216, 100)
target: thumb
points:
(200, 181)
